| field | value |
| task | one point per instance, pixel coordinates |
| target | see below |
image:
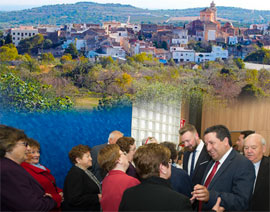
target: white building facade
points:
(21, 33)
(180, 54)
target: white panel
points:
(164, 117)
(150, 125)
(164, 128)
(157, 116)
(142, 124)
(157, 126)
(163, 137)
(150, 115)
(153, 119)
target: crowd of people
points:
(117, 176)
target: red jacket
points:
(46, 180)
(113, 187)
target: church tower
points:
(214, 9)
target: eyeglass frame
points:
(25, 143)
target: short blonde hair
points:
(108, 156)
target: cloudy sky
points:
(150, 4)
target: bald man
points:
(97, 171)
(254, 149)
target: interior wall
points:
(239, 116)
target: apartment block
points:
(21, 33)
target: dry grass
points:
(86, 102)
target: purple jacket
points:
(20, 191)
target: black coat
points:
(80, 192)
(200, 165)
(154, 194)
(260, 198)
(20, 191)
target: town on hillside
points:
(201, 40)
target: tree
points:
(30, 95)
(31, 45)
(47, 44)
(240, 63)
(8, 39)
(71, 49)
(2, 39)
(261, 56)
(47, 57)
(30, 63)
(164, 45)
(8, 53)
(65, 58)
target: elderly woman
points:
(113, 160)
(19, 190)
(82, 190)
(127, 145)
(154, 193)
(41, 173)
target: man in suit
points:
(96, 170)
(254, 149)
(240, 140)
(230, 175)
(196, 157)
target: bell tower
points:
(214, 9)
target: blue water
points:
(58, 132)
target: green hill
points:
(89, 12)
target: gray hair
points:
(113, 133)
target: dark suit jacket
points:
(260, 198)
(200, 166)
(154, 194)
(20, 191)
(95, 169)
(80, 192)
(233, 182)
(181, 182)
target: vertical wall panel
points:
(238, 116)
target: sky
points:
(149, 4)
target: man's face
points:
(253, 148)
(240, 142)
(190, 140)
(215, 147)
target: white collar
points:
(224, 157)
(200, 146)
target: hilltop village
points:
(201, 40)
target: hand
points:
(47, 195)
(99, 196)
(200, 193)
(217, 206)
(62, 196)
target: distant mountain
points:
(89, 12)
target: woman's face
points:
(18, 153)
(131, 152)
(86, 160)
(33, 155)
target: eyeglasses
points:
(25, 143)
